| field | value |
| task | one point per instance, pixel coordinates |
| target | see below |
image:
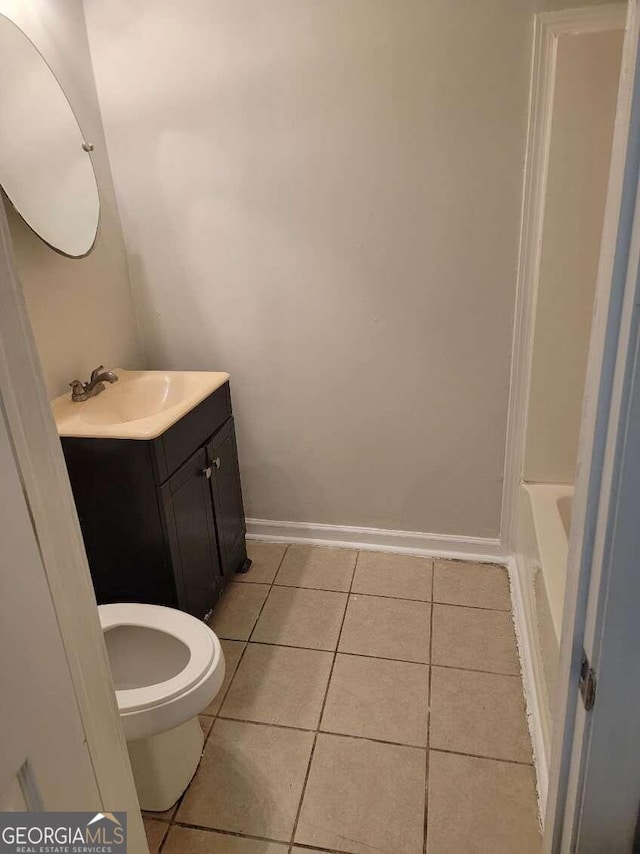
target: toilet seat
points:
(196, 636)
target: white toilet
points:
(167, 667)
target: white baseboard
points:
(478, 549)
(530, 662)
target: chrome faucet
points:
(83, 391)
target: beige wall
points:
(323, 198)
(81, 309)
(582, 125)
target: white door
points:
(44, 760)
(609, 795)
(605, 762)
(61, 742)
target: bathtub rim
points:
(552, 542)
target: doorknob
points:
(216, 462)
(206, 472)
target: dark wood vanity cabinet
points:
(163, 519)
(222, 456)
(187, 515)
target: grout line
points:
(245, 581)
(352, 592)
(472, 607)
(376, 595)
(248, 640)
(236, 834)
(173, 819)
(382, 658)
(239, 835)
(481, 756)
(337, 734)
(322, 708)
(265, 723)
(178, 804)
(305, 847)
(262, 607)
(164, 838)
(426, 769)
(323, 731)
(226, 690)
(473, 670)
(206, 734)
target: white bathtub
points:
(551, 510)
(544, 521)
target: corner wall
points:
(80, 309)
(323, 198)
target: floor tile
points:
(481, 713)
(266, 558)
(232, 652)
(206, 723)
(364, 796)
(307, 618)
(185, 840)
(376, 698)
(474, 639)
(279, 685)
(237, 611)
(386, 628)
(155, 832)
(319, 568)
(479, 585)
(481, 806)
(400, 576)
(249, 781)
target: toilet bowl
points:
(167, 667)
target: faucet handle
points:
(78, 390)
(95, 372)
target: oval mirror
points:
(45, 168)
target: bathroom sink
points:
(141, 405)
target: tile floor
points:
(372, 703)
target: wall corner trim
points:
(480, 549)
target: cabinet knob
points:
(216, 462)
(206, 472)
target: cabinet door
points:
(227, 498)
(191, 532)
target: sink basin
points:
(133, 398)
(141, 405)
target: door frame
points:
(40, 465)
(548, 28)
(612, 346)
